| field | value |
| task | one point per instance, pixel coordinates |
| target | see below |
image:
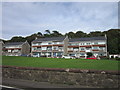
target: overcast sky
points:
(26, 18)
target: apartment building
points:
(1, 46)
(49, 47)
(80, 46)
(16, 48)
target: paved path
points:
(24, 84)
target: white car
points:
(67, 57)
(35, 55)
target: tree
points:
(17, 39)
(95, 34)
(56, 34)
(113, 41)
(47, 31)
(70, 34)
(79, 34)
(89, 54)
(39, 34)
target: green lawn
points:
(60, 63)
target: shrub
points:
(89, 54)
(117, 58)
(112, 56)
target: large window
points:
(82, 49)
(87, 43)
(95, 43)
(82, 54)
(49, 48)
(55, 48)
(102, 48)
(73, 44)
(44, 48)
(34, 48)
(95, 47)
(82, 43)
(38, 48)
(102, 42)
(49, 43)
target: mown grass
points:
(60, 63)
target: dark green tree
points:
(70, 34)
(17, 39)
(56, 34)
(79, 34)
(95, 34)
(89, 54)
(47, 31)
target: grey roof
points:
(87, 39)
(49, 39)
(13, 43)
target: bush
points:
(117, 58)
(112, 56)
(89, 54)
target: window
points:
(101, 43)
(82, 54)
(102, 48)
(49, 43)
(15, 50)
(38, 48)
(70, 48)
(49, 48)
(95, 47)
(82, 49)
(88, 48)
(95, 43)
(87, 43)
(73, 44)
(82, 43)
(9, 50)
(55, 48)
(55, 42)
(44, 48)
(34, 48)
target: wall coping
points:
(65, 70)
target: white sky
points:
(26, 18)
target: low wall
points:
(94, 78)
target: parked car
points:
(35, 55)
(92, 57)
(67, 57)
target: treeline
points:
(113, 37)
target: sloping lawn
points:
(60, 63)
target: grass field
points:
(60, 63)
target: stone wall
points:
(102, 79)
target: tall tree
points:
(17, 39)
(79, 34)
(47, 31)
(70, 34)
(95, 34)
(56, 34)
(113, 43)
(39, 34)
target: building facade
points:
(1, 47)
(49, 47)
(78, 47)
(16, 48)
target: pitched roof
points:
(49, 39)
(87, 39)
(13, 43)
